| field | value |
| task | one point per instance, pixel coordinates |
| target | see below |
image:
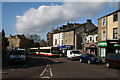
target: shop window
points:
(117, 50)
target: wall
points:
(101, 28)
(69, 38)
(110, 26)
(59, 38)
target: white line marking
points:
(45, 77)
(43, 72)
(55, 61)
(12, 69)
(48, 64)
(51, 74)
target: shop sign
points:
(102, 44)
(116, 45)
(91, 45)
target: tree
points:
(5, 43)
(34, 37)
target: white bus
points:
(50, 51)
(34, 51)
(46, 51)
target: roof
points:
(74, 28)
(110, 13)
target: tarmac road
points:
(44, 67)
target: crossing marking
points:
(43, 72)
(45, 77)
(51, 74)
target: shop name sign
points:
(102, 44)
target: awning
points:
(61, 46)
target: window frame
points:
(104, 22)
(115, 35)
(115, 17)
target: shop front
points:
(102, 48)
(113, 46)
(91, 48)
(117, 48)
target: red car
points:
(113, 60)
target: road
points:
(43, 67)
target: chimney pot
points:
(88, 20)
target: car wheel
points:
(108, 65)
(80, 60)
(89, 62)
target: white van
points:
(18, 55)
(73, 54)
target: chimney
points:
(88, 20)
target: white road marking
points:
(12, 69)
(45, 77)
(55, 61)
(48, 64)
(51, 74)
(5, 73)
(47, 69)
(43, 72)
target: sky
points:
(42, 17)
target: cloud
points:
(45, 17)
(59, 0)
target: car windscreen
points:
(76, 52)
(17, 52)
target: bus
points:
(50, 51)
(34, 51)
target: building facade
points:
(58, 39)
(90, 41)
(70, 36)
(19, 41)
(49, 39)
(108, 32)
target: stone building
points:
(19, 41)
(109, 33)
(70, 36)
(49, 39)
(90, 41)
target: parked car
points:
(73, 54)
(113, 60)
(18, 55)
(90, 58)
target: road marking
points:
(48, 64)
(12, 69)
(45, 77)
(51, 74)
(55, 61)
(5, 73)
(43, 72)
